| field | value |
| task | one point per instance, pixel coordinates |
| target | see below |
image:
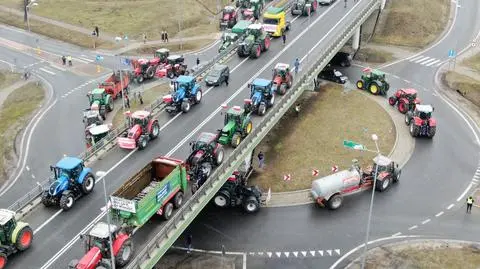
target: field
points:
(465, 85)
(369, 55)
(7, 78)
(314, 139)
(473, 62)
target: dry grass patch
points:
(465, 85)
(8, 78)
(130, 17)
(55, 32)
(14, 114)
(191, 45)
(473, 62)
(413, 23)
(369, 55)
(148, 96)
(314, 140)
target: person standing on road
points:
(297, 65)
(163, 36)
(261, 160)
(345, 3)
(64, 60)
(127, 101)
(144, 38)
(166, 36)
(96, 31)
(189, 243)
(69, 59)
(226, 80)
(198, 61)
(140, 98)
(470, 202)
(284, 37)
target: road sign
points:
(98, 58)
(353, 145)
(314, 172)
(334, 169)
(287, 177)
(451, 53)
(126, 61)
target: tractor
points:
(100, 101)
(72, 181)
(237, 125)
(255, 41)
(91, 118)
(15, 236)
(173, 68)
(228, 39)
(229, 17)
(206, 153)
(304, 7)
(185, 93)
(144, 69)
(162, 54)
(95, 133)
(97, 248)
(247, 15)
(262, 96)
(405, 99)
(255, 6)
(373, 81)
(421, 121)
(282, 78)
(142, 128)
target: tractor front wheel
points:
(198, 96)
(360, 84)
(236, 139)
(24, 238)
(392, 100)
(124, 254)
(251, 204)
(282, 89)
(170, 74)
(374, 88)
(185, 107)
(109, 105)
(46, 199)
(66, 201)
(3, 260)
(266, 43)
(383, 185)
(431, 131)
(402, 107)
(262, 109)
(140, 79)
(88, 184)
(142, 142)
(407, 119)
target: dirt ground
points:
(14, 114)
(473, 63)
(314, 140)
(176, 259)
(376, 56)
(465, 85)
(422, 255)
(8, 78)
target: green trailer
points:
(156, 189)
(237, 31)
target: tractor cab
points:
(424, 112)
(143, 64)
(7, 225)
(175, 59)
(67, 168)
(384, 164)
(185, 82)
(204, 141)
(96, 133)
(99, 237)
(227, 12)
(140, 117)
(260, 85)
(234, 114)
(255, 30)
(247, 14)
(281, 70)
(162, 54)
(92, 117)
(97, 94)
(410, 94)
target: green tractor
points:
(373, 81)
(237, 31)
(253, 5)
(238, 125)
(254, 42)
(100, 100)
(15, 236)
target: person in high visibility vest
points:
(470, 202)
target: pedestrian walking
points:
(64, 60)
(140, 98)
(189, 243)
(261, 160)
(226, 80)
(198, 61)
(96, 31)
(470, 202)
(345, 3)
(69, 59)
(284, 38)
(144, 38)
(297, 65)
(163, 36)
(166, 36)
(127, 101)
(297, 109)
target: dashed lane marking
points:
(439, 214)
(413, 227)
(58, 67)
(425, 221)
(46, 71)
(450, 206)
(397, 234)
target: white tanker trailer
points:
(329, 191)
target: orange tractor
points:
(282, 78)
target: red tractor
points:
(97, 248)
(143, 128)
(162, 54)
(144, 69)
(282, 78)
(229, 17)
(421, 122)
(405, 99)
(247, 15)
(175, 67)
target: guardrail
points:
(156, 248)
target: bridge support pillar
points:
(356, 39)
(382, 6)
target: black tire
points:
(155, 130)
(3, 260)
(168, 211)
(142, 142)
(414, 130)
(140, 79)
(431, 131)
(383, 185)
(251, 204)
(24, 238)
(150, 71)
(178, 200)
(124, 254)
(222, 198)
(335, 202)
(46, 199)
(236, 140)
(185, 107)
(219, 156)
(67, 201)
(262, 109)
(408, 119)
(171, 75)
(88, 184)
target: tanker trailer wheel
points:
(222, 198)
(3, 260)
(384, 184)
(24, 238)
(168, 211)
(178, 200)
(124, 254)
(251, 204)
(335, 202)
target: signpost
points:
(353, 145)
(99, 59)
(453, 56)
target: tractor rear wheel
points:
(168, 211)
(24, 238)
(374, 88)
(222, 198)
(262, 109)
(236, 139)
(3, 260)
(402, 107)
(150, 71)
(431, 131)
(414, 130)
(383, 185)
(266, 43)
(360, 84)
(124, 254)
(178, 200)
(335, 202)
(185, 107)
(66, 201)
(251, 204)
(219, 155)
(88, 184)
(392, 100)
(142, 142)
(155, 130)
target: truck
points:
(116, 83)
(329, 191)
(157, 188)
(275, 22)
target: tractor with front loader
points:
(254, 42)
(142, 128)
(72, 180)
(229, 17)
(185, 93)
(100, 101)
(15, 236)
(421, 121)
(97, 248)
(282, 78)
(373, 81)
(405, 99)
(237, 125)
(237, 31)
(304, 7)
(262, 96)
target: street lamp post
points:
(118, 39)
(28, 5)
(101, 175)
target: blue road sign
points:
(451, 53)
(99, 58)
(126, 61)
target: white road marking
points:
(407, 81)
(413, 227)
(337, 251)
(416, 58)
(464, 192)
(422, 59)
(33, 176)
(432, 63)
(397, 234)
(304, 253)
(286, 254)
(429, 61)
(269, 254)
(46, 71)
(312, 252)
(58, 67)
(329, 252)
(295, 253)
(278, 254)
(439, 214)
(27, 168)
(426, 221)
(450, 206)
(320, 252)
(260, 253)
(440, 63)
(85, 60)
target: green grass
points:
(8, 78)
(131, 17)
(369, 55)
(473, 62)
(191, 45)
(466, 86)
(314, 140)
(413, 23)
(14, 114)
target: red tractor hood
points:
(277, 80)
(226, 17)
(135, 131)
(90, 259)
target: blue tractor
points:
(72, 181)
(186, 92)
(262, 96)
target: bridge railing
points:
(161, 242)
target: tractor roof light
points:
(237, 108)
(224, 106)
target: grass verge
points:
(413, 23)
(148, 96)
(369, 55)
(14, 114)
(131, 17)
(473, 62)
(55, 32)
(191, 45)
(314, 140)
(8, 78)
(464, 85)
